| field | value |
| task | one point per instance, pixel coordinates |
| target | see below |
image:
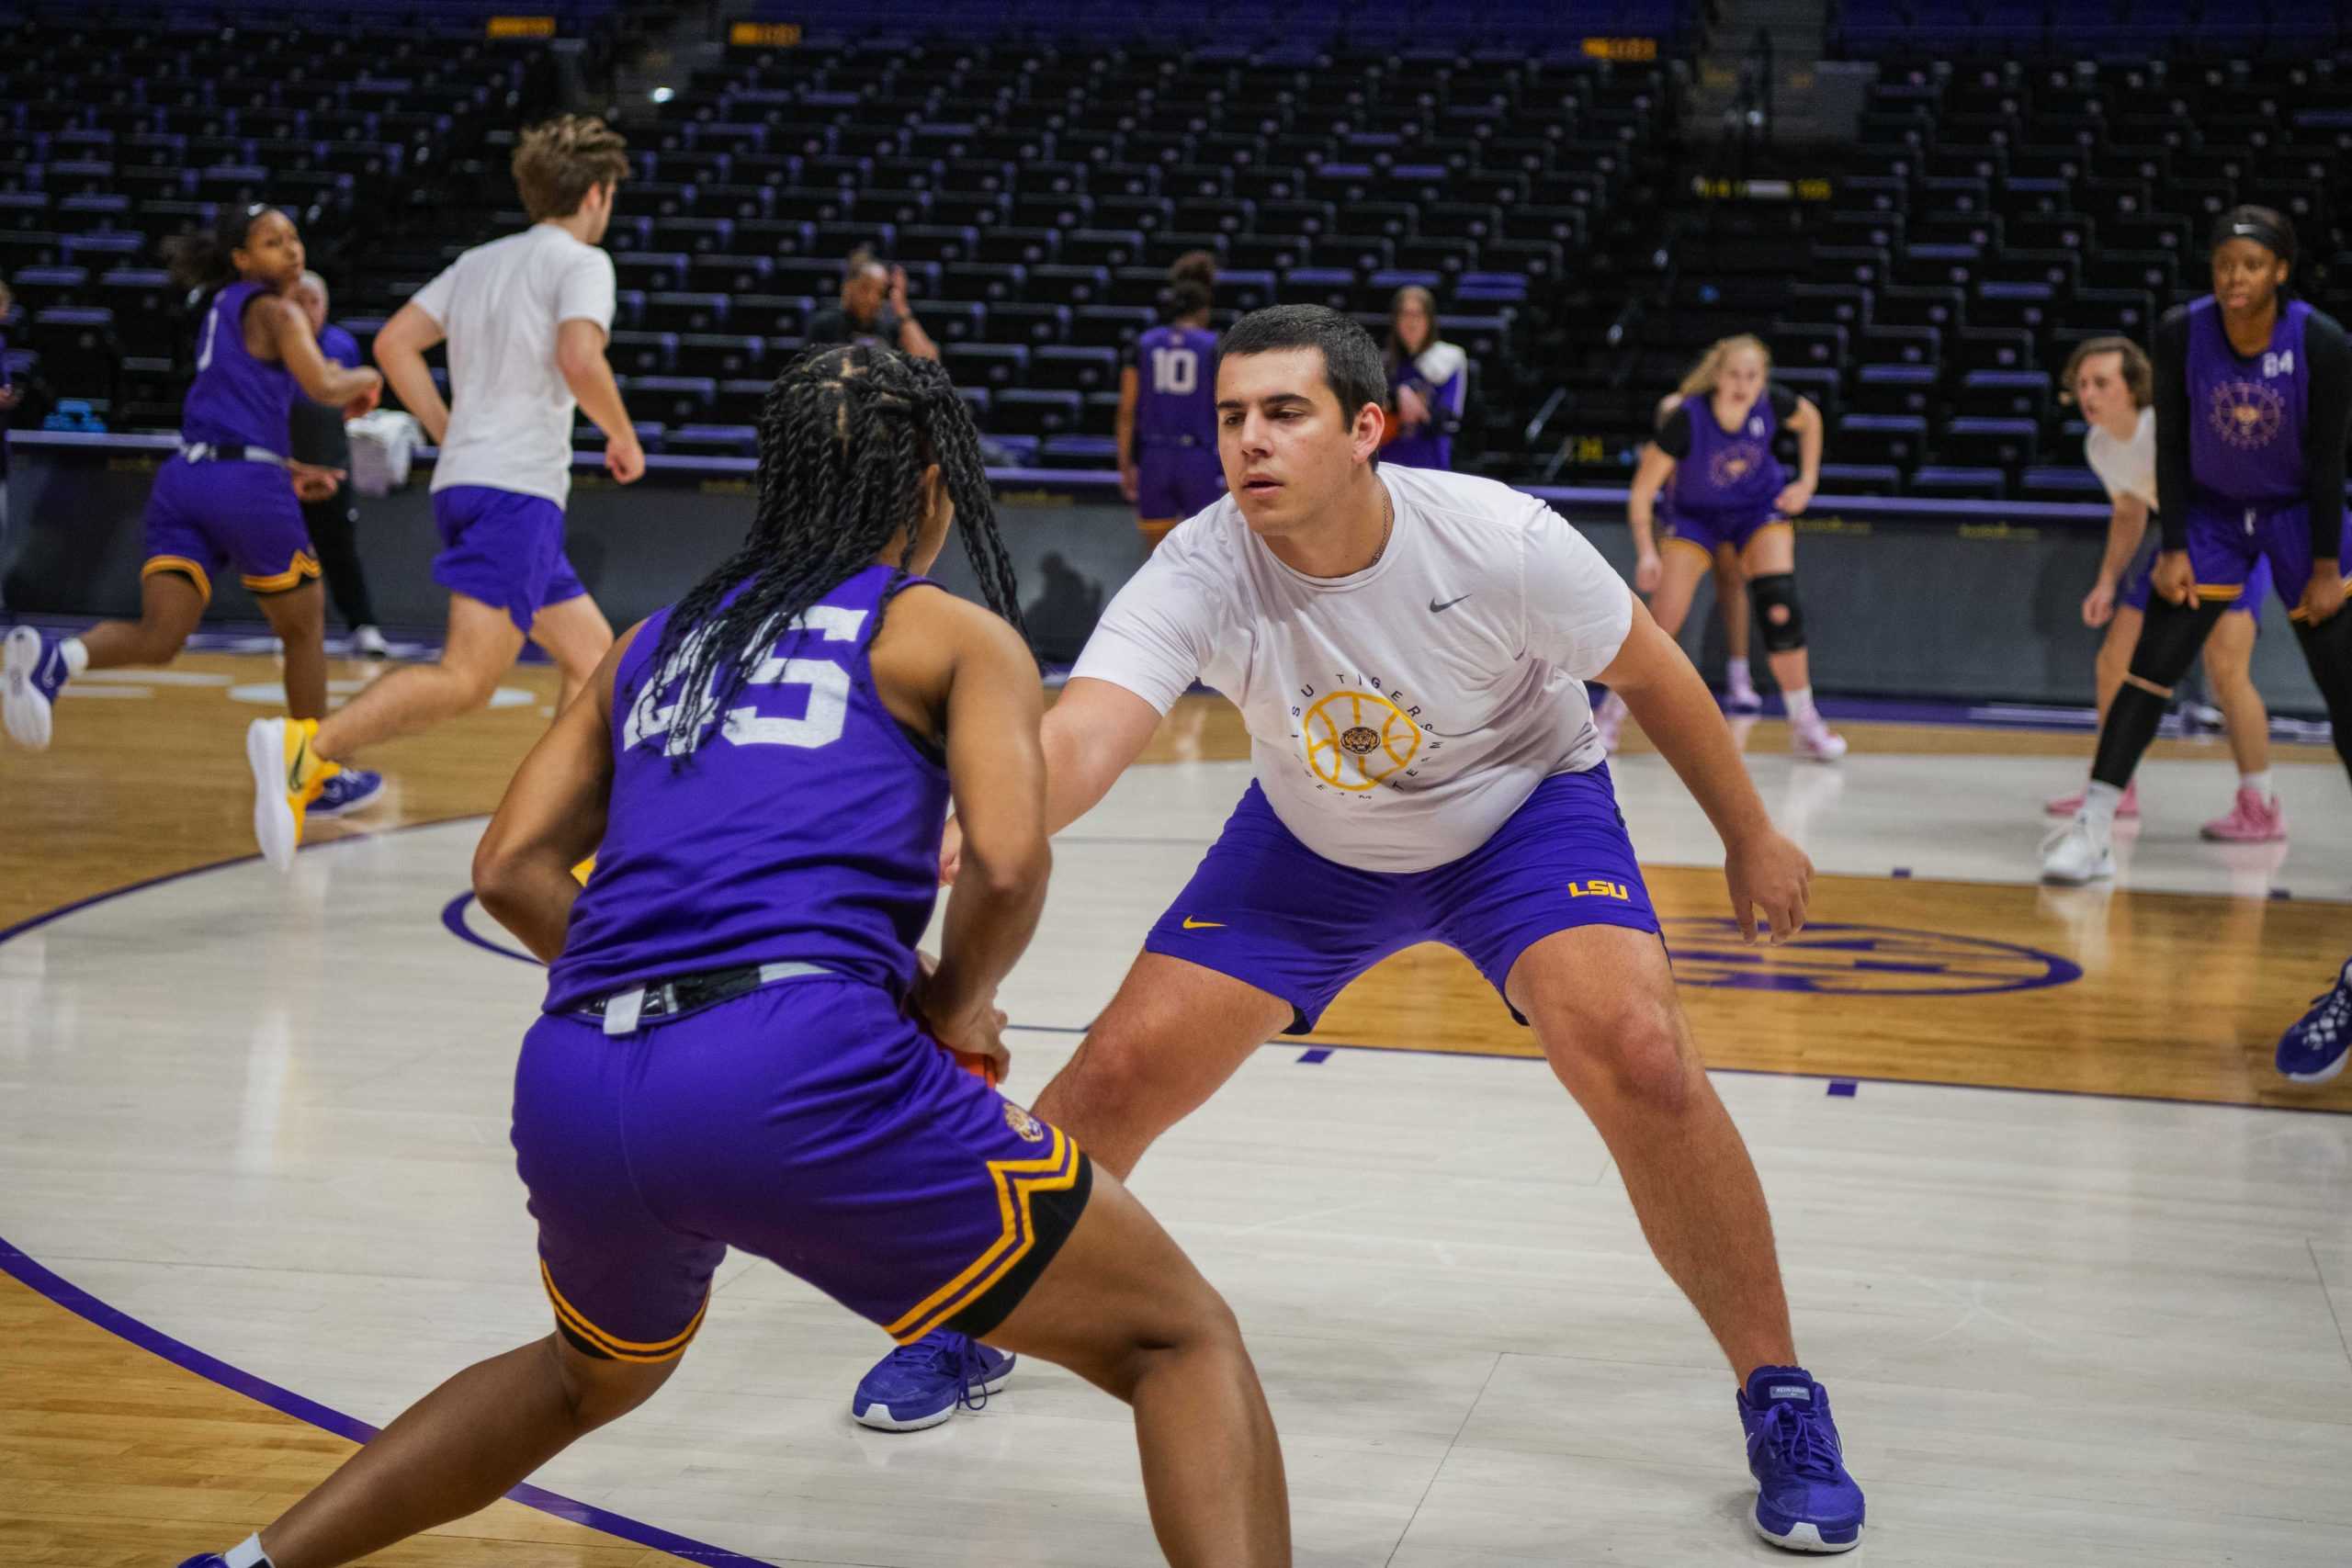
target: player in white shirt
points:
(525, 319)
(2111, 380)
(1409, 650)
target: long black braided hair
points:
(845, 435)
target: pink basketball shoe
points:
(1812, 741)
(2251, 820)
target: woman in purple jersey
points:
(1166, 428)
(1428, 380)
(226, 496)
(738, 1047)
(2254, 404)
(1715, 444)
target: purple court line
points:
(453, 917)
(18, 1266)
(236, 1380)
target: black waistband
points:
(686, 993)
(228, 452)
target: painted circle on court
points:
(1859, 961)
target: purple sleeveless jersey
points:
(804, 827)
(2245, 415)
(1176, 389)
(235, 398)
(1729, 476)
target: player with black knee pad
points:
(2254, 401)
(1715, 444)
(2111, 380)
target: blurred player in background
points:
(1167, 421)
(2110, 380)
(525, 319)
(225, 497)
(1428, 381)
(1715, 444)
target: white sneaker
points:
(2078, 853)
(368, 643)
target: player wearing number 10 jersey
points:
(1166, 428)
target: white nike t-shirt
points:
(510, 410)
(1398, 716)
(2125, 468)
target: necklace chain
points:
(1387, 524)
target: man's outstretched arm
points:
(1766, 871)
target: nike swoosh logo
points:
(294, 769)
(1193, 925)
(1436, 608)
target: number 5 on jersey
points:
(827, 681)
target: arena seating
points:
(1931, 30)
(124, 131)
(1993, 215)
(1036, 198)
(1994, 212)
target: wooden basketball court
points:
(262, 1119)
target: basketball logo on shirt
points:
(2245, 414)
(1734, 463)
(1357, 739)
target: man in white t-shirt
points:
(525, 319)
(1409, 650)
(2112, 382)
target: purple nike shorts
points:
(504, 548)
(808, 1122)
(1270, 912)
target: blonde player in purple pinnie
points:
(226, 497)
(1715, 444)
(738, 1046)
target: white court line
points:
(152, 678)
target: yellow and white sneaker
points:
(288, 776)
